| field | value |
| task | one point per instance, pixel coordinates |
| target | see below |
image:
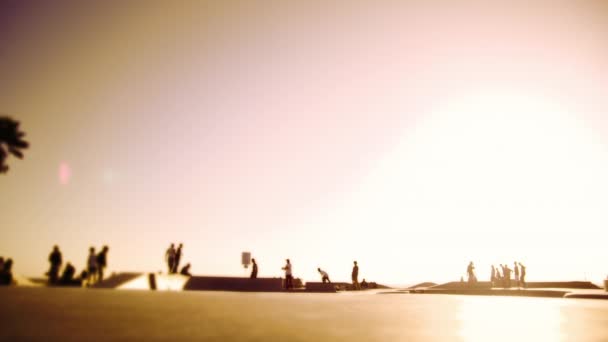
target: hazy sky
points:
(410, 136)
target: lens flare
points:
(65, 173)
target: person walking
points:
(178, 256)
(516, 273)
(254, 269)
(355, 276)
(324, 276)
(170, 258)
(102, 262)
(55, 260)
(288, 275)
(91, 267)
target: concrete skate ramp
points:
(234, 284)
(115, 280)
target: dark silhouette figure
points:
(55, 260)
(288, 275)
(11, 141)
(254, 269)
(178, 256)
(67, 277)
(185, 270)
(6, 272)
(516, 273)
(170, 258)
(364, 284)
(472, 279)
(522, 276)
(355, 276)
(507, 275)
(102, 262)
(91, 267)
(324, 276)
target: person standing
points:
(507, 275)
(522, 277)
(91, 267)
(254, 269)
(55, 260)
(102, 262)
(355, 276)
(178, 256)
(324, 276)
(170, 258)
(471, 273)
(516, 273)
(288, 275)
(493, 276)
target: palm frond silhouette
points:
(11, 141)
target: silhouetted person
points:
(170, 258)
(502, 277)
(364, 284)
(178, 256)
(185, 270)
(6, 273)
(254, 269)
(288, 275)
(516, 273)
(11, 141)
(471, 273)
(91, 266)
(355, 276)
(324, 276)
(55, 260)
(493, 276)
(522, 277)
(507, 275)
(102, 262)
(67, 277)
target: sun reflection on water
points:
(506, 319)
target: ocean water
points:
(56, 314)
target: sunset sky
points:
(413, 136)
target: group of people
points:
(6, 271)
(173, 257)
(501, 276)
(96, 263)
(324, 275)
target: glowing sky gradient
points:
(410, 136)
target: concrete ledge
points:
(320, 287)
(234, 284)
(498, 292)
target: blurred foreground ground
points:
(66, 314)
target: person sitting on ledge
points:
(186, 270)
(67, 277)
(324, 276)
(364, 284)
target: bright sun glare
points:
(493, 178)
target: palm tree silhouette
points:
(11, 141)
